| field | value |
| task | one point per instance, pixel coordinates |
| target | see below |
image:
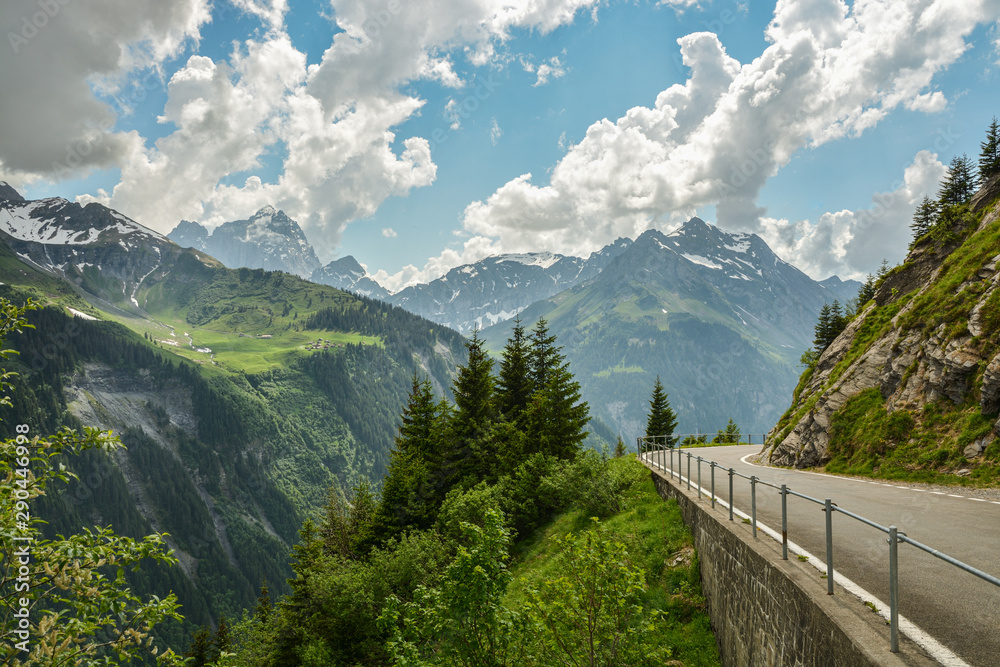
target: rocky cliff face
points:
(268, 240)
(931, 337)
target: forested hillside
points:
(421, 574)
(242, 398)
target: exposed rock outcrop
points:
(909, 362)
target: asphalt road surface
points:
(956, 608)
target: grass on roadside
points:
(657, 541)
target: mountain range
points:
(735, 309)
(718, 317)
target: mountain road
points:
(954, 607)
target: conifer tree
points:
(473, 390)
(620, 449)
(557, 417)
(472, 417)
(989, 157)
(515, 385)
(661, 420)
(222, 643)
(729, 435)
(200, 649)
(822, 329)
(959, 184)
(866, 292)
(263, 609)
(544, 354)
(418, 418)
(924, 218)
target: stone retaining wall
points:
(769, 612)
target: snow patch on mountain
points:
(703, 261)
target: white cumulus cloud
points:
(851, 243)
(831, 71)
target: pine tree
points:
(557, 417)
(515, 385)
(729, 435)
(544, 354)
(866, 292)
(263, 609)
(418, 420)
(473, 391)
(959, 184)
(989, 157)
(222, 642)
(661, 421)
(924, 218)
(822, 328)
(620, 449)
(200, 649)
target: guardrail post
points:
(829, 546)
(893, 591)
(731, 471)
(753, 504)
(699, 477)
(784, 522)
(689, 471)
(713, 484)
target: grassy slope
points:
(656, 538)
(925, 444)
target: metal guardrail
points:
(661, 449)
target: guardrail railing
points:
(659, 451)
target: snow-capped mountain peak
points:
(268, 239)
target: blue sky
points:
(403, 133)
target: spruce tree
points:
(866, 292)
(989, 157)
(515, 384)
(620, 449)
(831, 322)
(661, 420)
(473, 390)
(200, 649)
(544, 354)
(923, 218)
(959, 184)
(408, 496)
(263, 609)
(822, 329)
(557, 417)
(418, 420)
(473, 415)
(223, 642)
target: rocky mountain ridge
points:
(497, 288)
(268, 240)
(347, 274)
(713, 314)
(928, 343)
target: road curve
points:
(957, 609)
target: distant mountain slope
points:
(912, 385)
(237, 415)
(268, 240)
(719, 317)
(497, 288)
(347, 274)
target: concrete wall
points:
(766, 611)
